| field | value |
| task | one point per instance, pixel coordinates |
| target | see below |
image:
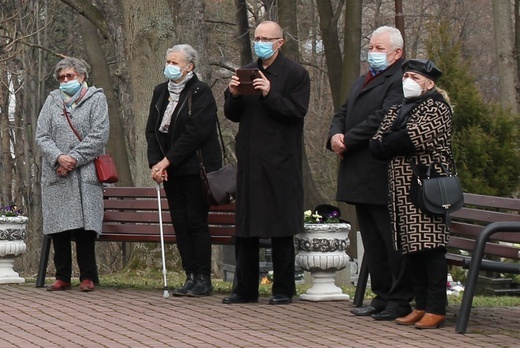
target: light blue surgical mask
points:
(264, 50)
(70, 87)
(172, 72)
(377, 61)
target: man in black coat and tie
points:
(363, 181)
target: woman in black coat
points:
(418, 131)
(182, 119)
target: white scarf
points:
(175, 90)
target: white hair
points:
(189, 53)
(396, 39)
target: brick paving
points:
(113, 317)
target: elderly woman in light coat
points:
(72, 197)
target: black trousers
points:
(85, 252)
(247, 271)
(189, 214)
(429, 275)
(390, 273)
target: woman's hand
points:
(62, 171)
(67, 162)
(159, 173)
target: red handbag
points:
(105, 167)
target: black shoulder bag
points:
(219, 187)
(437, 194)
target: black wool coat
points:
(186, 133)
(268, 147)
(363, 179)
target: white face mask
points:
(411, 89)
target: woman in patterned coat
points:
(418, 130)
(72, 197)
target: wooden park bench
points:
(488, 229)
(132, 215)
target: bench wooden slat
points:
(472, 231)
(133, 204)
(491, 201)
(484, 216)
(492, 249)
(132, 217)
(132, 192)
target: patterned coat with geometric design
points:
(425, 139)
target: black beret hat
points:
(422, 66)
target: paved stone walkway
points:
(112, 317)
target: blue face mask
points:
(377, 61)
(264, 50)
(172, 72)
(70, 87)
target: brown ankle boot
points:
(411, 318)
(431, 321)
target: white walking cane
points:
(166, 294)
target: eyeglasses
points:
(69, 77)
(266, 39)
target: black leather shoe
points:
(390, 315)
(234, 298)
(280, 300)
(365, 311)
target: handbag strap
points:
(72, 127)
(199, 152)
(70, 123)
(428, 171)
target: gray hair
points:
(189, 53)
(79, 65)
(396, 39)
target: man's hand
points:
(262, 84)
(233, 85)
(337, 144)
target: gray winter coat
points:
(74, 201)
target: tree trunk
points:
(289, 24)
(244, 42)
(101, 77)
(145, 48)
(351, 48)
(330, 37)
(507, 66)
(517, 48)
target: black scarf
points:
(406, 110)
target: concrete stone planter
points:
(321, 251)
(12, 236)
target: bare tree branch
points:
(92, 13)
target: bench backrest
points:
(478, 211)
(132, 214)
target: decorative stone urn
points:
(322, 252)
(12, 236)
